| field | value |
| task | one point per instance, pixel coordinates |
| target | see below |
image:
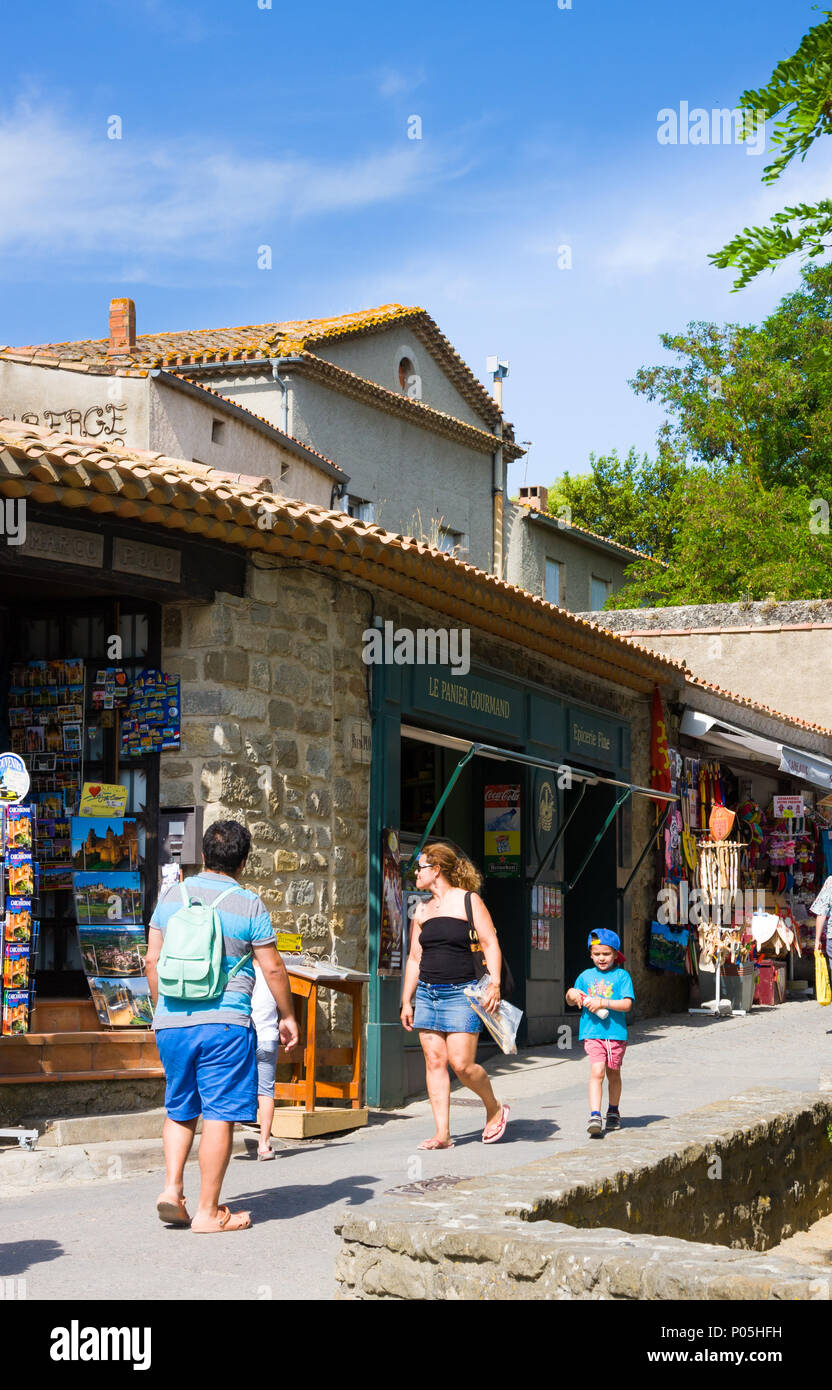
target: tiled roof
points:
(204, 347)
(53, 469)
(292, 445)
(419, 412)
(568, 526)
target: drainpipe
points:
(499, 370)
(277, 363)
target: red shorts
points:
(607, 1050)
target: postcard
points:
(122, 1002)
(113, 951)
(72, 738)
(15, 1012)
(15, 967)
(107, 898)
(104, 842)
(20, 870)
(18, 920)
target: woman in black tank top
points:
(439, 966)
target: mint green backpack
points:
(190, 965)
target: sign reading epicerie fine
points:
(592, 735)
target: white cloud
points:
(70, 192)
(393, 83)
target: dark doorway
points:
(593, 900)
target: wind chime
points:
(717, 874)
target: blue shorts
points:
(210, 1070)
(444, 1009)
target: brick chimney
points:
(536, 497)
(122, 328)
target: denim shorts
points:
(266, 1063)
(444, 1009)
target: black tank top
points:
(446, 952)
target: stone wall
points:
(743, 1173)
(267, 683)
(751, 649)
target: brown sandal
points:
(226, 1221)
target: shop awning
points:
(806, 765)
(487, 750)
(809, 767)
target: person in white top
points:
(264, 1017)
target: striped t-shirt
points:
(245, 921)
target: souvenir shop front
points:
(741, 860)
(85, 713)
(536, 789)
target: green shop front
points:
(515, 770)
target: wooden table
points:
(305, 1089)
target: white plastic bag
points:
(503, 1023)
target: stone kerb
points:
(628, 1202)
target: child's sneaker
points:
(613, 1120)
(596, 1125)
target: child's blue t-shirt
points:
(605, 984)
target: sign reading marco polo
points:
(473, 700)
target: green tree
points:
(735, 539)
(756, 396)
(800, 93)
(625, 500)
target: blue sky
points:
(287, 127)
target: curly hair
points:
(456, 867)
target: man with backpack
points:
(204, 935)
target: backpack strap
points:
(249, 954)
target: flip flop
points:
(172, 1213)
(265, 1154)
(432, 1144)
(500, 1130)
(227, 1221)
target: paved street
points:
(103, 1240)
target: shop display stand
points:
(718, 1007)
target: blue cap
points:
(602, 937)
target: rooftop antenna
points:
(528, 446)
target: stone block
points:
(209, 626)
(172, 627)
(291, 680)
(300, 892)
(263, 585)
(319, 759)
(281, 714)
(319, 802)
(349, 892)
(201, 700)
(285, 753)
(341, 860)
(227, 667)
(323, 837)
(172, 793)
(343, 794)
(286, 861)
(314, 721)
(261, 675)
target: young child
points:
(605, 996)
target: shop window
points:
(420, 773)
(552, 582)
(600, 592)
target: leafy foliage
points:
(756, 396)
(799, 91)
